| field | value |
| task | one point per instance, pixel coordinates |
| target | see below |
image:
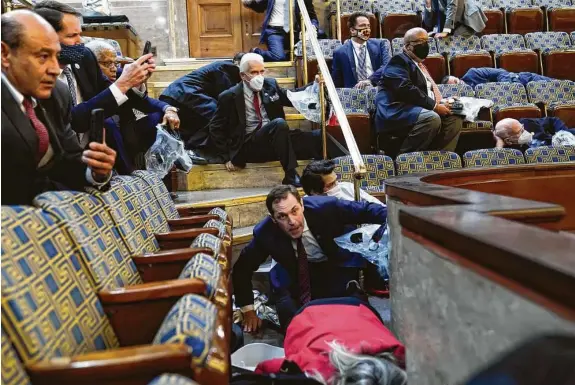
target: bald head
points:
(414, 34)
(16, 22)
(509, 131)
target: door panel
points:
(251, 28)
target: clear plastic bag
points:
(563, 138)
(360, 241)
(307, 102)
(167, 150)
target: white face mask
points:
(334, 191)
(257, 82)
(525, 137)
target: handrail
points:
(358, 164)
(291, 35)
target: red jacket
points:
(355, 327)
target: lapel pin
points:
(77, 66)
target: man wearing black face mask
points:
(409, 103)
(360, 56)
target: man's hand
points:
(362, 85)
(151, 67)
(251, 322)
(134, 74)
(100, 158)
(442, 110)
(171, 117)
(230, 166)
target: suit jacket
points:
(402, 95)
(95, 90)
(483, 75)
(453, 12)
(326, 217)
(268, 6)
(21, 179)
(343, 68)
(196, 95)
(228, 127)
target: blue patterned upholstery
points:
(327, 47)
(222, 229)
(220, 213)
(191, 321)
(424, 161)
(485, 4)
(203, 266)
(351, 6)
(493, 157)
(379, 168)
(501, 44)
(454, 45)
(353, 100)
(554, 91)
(554, 105)
(395, 7)
(510, 5)
(13, 372)
(370, 96)
(172, 379)
(160, 191)
(555, 4)
(503, 94)
(397, 45)
(49, 308)
(458, 90)
(94, 236)
(572, 34)
(550, 154)
(547, 42)
(210, 241)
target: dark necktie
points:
(303, 274)
(41, 131)
(71, 88)
(258, 110)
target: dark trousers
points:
(276, 40)
(275, 141)
(432, 132)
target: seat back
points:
(370, 96)
(457, 44)
(459, 90)
(512, 4)
(351, 6)
(379, 168)
(397, 45)
(547, 92)
(13, 372)
(353, 100)
(550, 154)
(547, 41)
(485, 4)
(205, 267)
(550, 4)
(49, 307)
(160, 191)
(385, 7)
(328, 46)
(424, 161)
(493, 157)
(499, 43)
(502, 94)
(94, 236)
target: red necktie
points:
(436, 91)
(303, 274)
(258, 110)
(41, 131)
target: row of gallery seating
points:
(546, 53)
(114, 287)
(391, 18)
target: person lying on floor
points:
(483, 75)
(341, 341)
(528, 132)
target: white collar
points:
(69, 66)
(247, 90)
(17, 94)
(358, 46)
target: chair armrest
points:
(146, 305)
(132, 365)
(182, 238)
(189, 211)
(167, 264)
(190, 222)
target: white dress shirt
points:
(356, 49)
(346, 191)
(430, 92)
(252, 120)
(277, 16)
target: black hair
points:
(54, 11)
(353, 18)
(238, 57)
(279, 193)
(311, 178)
(12, 31)
(445, 79)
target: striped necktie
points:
(436, 91)
(71, 88)
(361, 67)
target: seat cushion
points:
(424, 161)
(493, 157)
(550, 154)
(203, 266)
(378, 167)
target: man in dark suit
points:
(409, 103)
(88, 87)
(249, 124)
(299, 236)
(196, 97)
(355, 61)
(40, 152)
(456, 17)
(475, 76)
(276, 25)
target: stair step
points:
(215, 176)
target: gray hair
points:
(360, 369)
(99, 46)
(410, 35)
(247, 58)
(503, 127)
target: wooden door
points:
(215, 27)
(251, 28)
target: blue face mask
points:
(71, 53)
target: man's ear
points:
(6, 53)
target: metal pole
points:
(291, 36)
(304, 51)
(323, 122)
(338, 21)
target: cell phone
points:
(147, 48)
(97, 130)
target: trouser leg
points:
(448, 135)
(423, 132)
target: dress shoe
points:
(291, 177)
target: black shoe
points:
(291, 177)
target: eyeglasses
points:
(108, 64)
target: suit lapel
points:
(83, 81)
(240, 102)
(351, 58)
(19, 120)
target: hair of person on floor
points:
(237, 59)
(247, 59)
(360, 369)
(311, 178)
(279, 193)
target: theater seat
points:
(354, 102)
(510, 100)
(425, 161)
(172, 379)
(327, 47)
(511, 53)
(560, 15)
(13, 372)
(493, 157)
(379, 168)
(396, 17)
(550, 154)
(435, 62)
(495, 18)
(556, 53)
(556, 98)
(523, 16)
(463, 53)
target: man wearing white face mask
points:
(528, 132)
(249, 124)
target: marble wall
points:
(452, 320)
